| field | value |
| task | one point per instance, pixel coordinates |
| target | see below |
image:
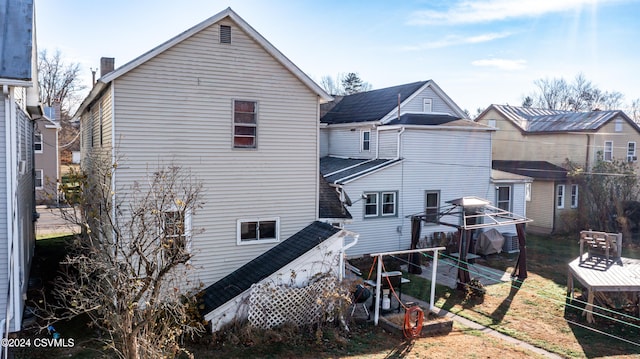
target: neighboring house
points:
(220, 100)
(47, 163)
(19, 106)
(539, 140)
(550, 198)
(393, 167)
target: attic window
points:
(225, 34)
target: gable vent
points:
(225, 34)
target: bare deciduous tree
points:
(129, 270)
(579, 95)
(59, 80)
(344, 84)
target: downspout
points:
(343, 252)
(586, 164)
(14, 275)
(9, 174)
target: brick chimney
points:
(107, 64)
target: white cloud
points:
(453, 40)
(501, 64)
(468, 12)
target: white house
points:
(19, 106)
(405, 150)
(220, 100)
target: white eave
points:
(106, 79)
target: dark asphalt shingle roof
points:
(537, 120)
(369, 105)
(16, 39)
(351, 168)
(433, 119)
(266, 264)
(540, 170)
(329, 205)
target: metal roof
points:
(543, 120)
(16, 39)
(340, 170)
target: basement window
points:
(225, 34)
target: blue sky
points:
(479, 52)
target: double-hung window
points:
(365, 141)
(631, 152)
(258, 230)
(37, 142)
(381, 204)
(503, 198)
(39, 180)
(175, 234)
(245, 124)
(574, 196)
(560, 196)
(607, 154)
(432, 206)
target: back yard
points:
(535, 311)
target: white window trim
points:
(41, 179)
(187, 225)
(632, 156)
(362, 141)
(239, 222)
(574, 199)
(604, 151)
(41, 142)
(491, 123)
(527, 192)
(395, 204)
(560, 196)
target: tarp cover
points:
(489, 242)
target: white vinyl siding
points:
(176, 108)
(347, 142)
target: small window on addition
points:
(225, 34)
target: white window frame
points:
(509, 199)
(253, 125)
(527, 192)
(243, 242)
(37, 140)
(631, 151)
(574, 196)
(364, 141)
(187, 225)
(383, 203)
(426, 208)
(427, 105)
(618, 125)
(35, 179)
(491, 123)
(560, 195)
(375, 204)
(608, 149)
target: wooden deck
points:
(597, 274)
